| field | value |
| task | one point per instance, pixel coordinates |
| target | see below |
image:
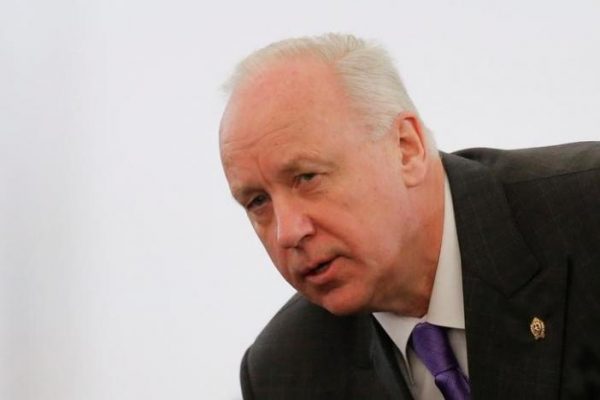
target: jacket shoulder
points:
(513, 166)
(299, 352)
(553, 193)
(300, 331)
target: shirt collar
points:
(446, 302)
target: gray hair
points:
(365, 69)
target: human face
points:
(328, 202)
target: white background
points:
(126, 271)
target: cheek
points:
(276, 254)
(281, 264)
(382, 226)
(267, 241)
(375, 209)
(269, 245)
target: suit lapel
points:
(375, 372)
(383, 352)
(504, 289)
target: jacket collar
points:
(492, 249)
(504, 288)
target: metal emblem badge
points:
(537, 328)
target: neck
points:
(429, 209)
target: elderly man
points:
(419, 274)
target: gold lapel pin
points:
(537, 328)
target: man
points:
(388, 242)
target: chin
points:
(343, 302)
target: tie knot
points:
(430, 342)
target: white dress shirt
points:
(445, 309)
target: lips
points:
(320, 268)
(320, 272)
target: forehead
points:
(288, 95)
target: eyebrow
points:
(301, 163)
(241, 193)
(290, 167)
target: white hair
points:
(366, 70)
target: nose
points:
(292, 224)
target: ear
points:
(411, 139)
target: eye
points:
(256, 202)
(307, 177)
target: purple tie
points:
(432, 347)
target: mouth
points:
(321, 273)
(319, 268)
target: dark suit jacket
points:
(528, 224)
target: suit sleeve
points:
(245, 378)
